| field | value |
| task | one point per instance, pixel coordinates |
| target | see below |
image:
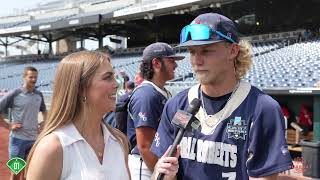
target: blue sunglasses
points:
(200, 32)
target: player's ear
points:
(234, 50)
(156, 64)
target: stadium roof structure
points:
(93, 20)
(143, 21)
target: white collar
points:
(72, 134)
(239, 96)
(164, 91)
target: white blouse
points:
(80, 161)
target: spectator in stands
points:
(25, 103)
(74, 143)
(138, 79)
(242, 129)
(146, 104)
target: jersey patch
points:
(237, 128)
(157, 139)
(142, 116)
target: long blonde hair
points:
(73, 75)
(244, 59)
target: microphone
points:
(183, 120)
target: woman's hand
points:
(168, 165)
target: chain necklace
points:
(207, 116)
(100, 154)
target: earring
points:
(84, 99)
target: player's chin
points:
(171, 75)
(32, 85)
(202, 79)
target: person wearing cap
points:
(146, 104)
(241, 133)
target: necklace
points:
(100, 154)
(207, 116)
(98, 151)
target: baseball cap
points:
(159, 50)
(208, 28)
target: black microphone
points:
(183, 119)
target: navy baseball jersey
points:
(145, 108)
(244, 136)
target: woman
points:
(74, 143)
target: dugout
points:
(293, 98)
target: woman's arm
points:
(47, 159)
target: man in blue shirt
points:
(25, 103)
(242, 129)
(146, 104)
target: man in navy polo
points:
(25, 103)
(242, 129)
(146, 104)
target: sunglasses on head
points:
(200, 32)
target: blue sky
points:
(9, 7)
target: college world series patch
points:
(237, 128)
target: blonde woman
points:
(74, 143)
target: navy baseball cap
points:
(208, 28)
(159, 50)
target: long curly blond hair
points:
(244, 59)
